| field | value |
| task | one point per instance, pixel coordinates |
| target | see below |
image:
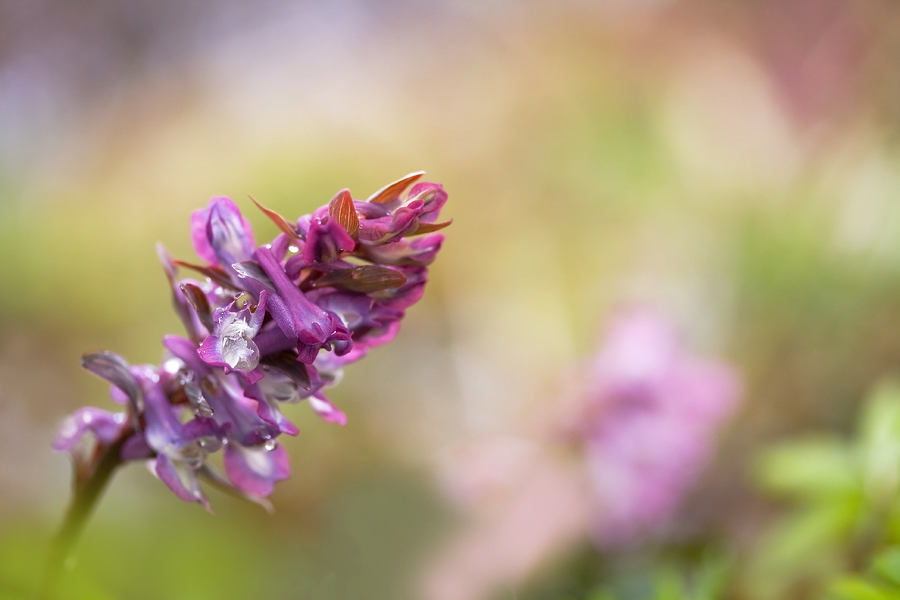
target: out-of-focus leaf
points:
(810, 468)
(880, 442)
(881, 419)
(712, 578)
(855, 588)
(806, 544)
(669, 585)
(887, 566)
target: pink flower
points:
(647, 423)
(643, 419)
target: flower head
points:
(267, 325)
(647, 423)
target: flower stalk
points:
(85, 494)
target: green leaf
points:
(887, 565)
(805, 545)
(669, 585)
(855, 588)
(811, 468)
(880, 442)
(712, 578)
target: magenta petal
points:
(199, 427)
(389, 228)
(105, 426)
(327, 410)
(228, 232)
(181, 480)
(117, 395)
(135, 448)
(255, 470)
(268, 411)
(433, 197)
(253, 376)
(185, 350)
(221, 482)
(325, 241)
(299, 319)
(420, 251)
(211, 352)
(281, 314)
(221, 234)
(114, 369)
(198, 235)
(281, 243)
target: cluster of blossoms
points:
(266, 325)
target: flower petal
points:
(181, 480)
(105, 426)
(219, 481)
(433, 198)
(267, 409)
(228, 234)
(325, 241)
(255, 470)
(114, 369)
(327, 410)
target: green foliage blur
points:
(880, 582)
(845, 500)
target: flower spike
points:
(267, 325)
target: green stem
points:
(84, 499)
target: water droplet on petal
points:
(270, 445)
(293, 248)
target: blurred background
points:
(733, 164)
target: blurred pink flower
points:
(647, 423)
(643, 416)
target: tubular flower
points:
(265, 325)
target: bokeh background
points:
(733, 164)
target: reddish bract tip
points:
(429, 227)
(392, 191)
(279, 221)
(341, 208)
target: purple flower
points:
(647, 422)
(104, 425)
(307, 325)
(221, 234)
(231, 342)
(266, 326)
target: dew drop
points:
(293, 248)
(270, 445)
